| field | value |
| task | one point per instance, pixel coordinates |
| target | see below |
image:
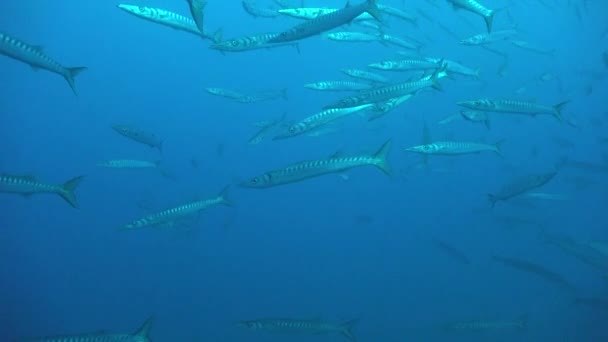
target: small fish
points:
(169, 216)
(231, 94)
(520, 186)
(489, 38)
(365, 75)
(35, 57)
(546, 196)
(455, 148)
(130, 164)
(141, 335)
(476, 116)
(353, 37)
(452, 251)
(264, 96)
(383, 108)
(338, 86)
(482, 325)
(314, 168)
(396, 41)
(398, 13)
(257, 12)
(529, 267)
(449, 119)
(139, 136)
(297, 326)
(477, 8)
(406, 65)
(29, 185)
(514, 106)
(532, 48)
(453, 67)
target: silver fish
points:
(365, 75)
(514, 106)
(477, 8)
(139, 136)
(258, 12)
(455, 148)
(29, 185)
(300, 326)
(129, 164)
(476, 116)
(520, 186)
(141, 335)
(338, 86)
(37, 59)
(489, 38)
(265, 130)
(248, 43)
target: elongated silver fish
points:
(533, 48)
(398, 13)
(479, 325)
(139, 135)
(353, 37)
(308, 13)
(171, 215)
(36, 58)
(514, 106)
(390, 39)
(266, 130)
(130, 164)
(29, 185)
(477, 8)
(406, 65)
(327, 22)
(476, 116)
(456, 68)
(382, 108)
(338, 86)
(248, 43)
(455, 148)
(489, 38)
(256, 11)
(228, 93)
(170, 19)
(141, 335)
(520, 186)
(317, 120)
(300, 326)
(314, 168)
(197, 9)
(365, 75)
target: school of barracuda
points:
(372, 92)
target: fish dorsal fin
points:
(337, 154)
(144, 330)
(347, 4)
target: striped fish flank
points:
(28, 185)
(455, 148)
(514, 106)
(37, 59)
(129, 164)
(314, 168)
(141, 335)
(301, 326)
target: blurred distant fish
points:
(365, 75)
(353, 37)
(399, 13)
(532, 48)
(579, 250)
(309, 13)
(197, 8)
(450, 148)
(451, 251)
(453, 67)
(314, 168)
(477, 8)
(170, 19)
(169, 216)
(520, 186)
(318, 120)
(449, 119)
(529, 267)
(139, 136)
(489, 38)
(266, 130)
(406, 65)
(141, 335)
(476, 116)
(514, 106)
(258, 12)
(393, 40)
(35, 57)
(546, 196)
(244, 98)
(248, 43)
(327, 22)
(29, 185)
(591, 302)
(129, 164)
(338, 86)
(299, 327)
(382, 108)
(484, 325)
(231, 94)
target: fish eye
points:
(141, 9)
(255, 180)
(234, 43)
(292, 129)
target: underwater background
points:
(356, 245)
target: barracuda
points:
(520, 186)
(29, 185)
(197, 9)
(170, 19)
(139, 135)
(406, 65)
(141, 335)
(317, 120)
(309, 13)
(327, 22)
(314, 168)
(301, 326)
(513, 106)
(266, 129)
(37, 59)
(476, 116)
(455, 68)
(365, 75)
(338, 86)
(477, 8)
(455, 148)
(488, 38)
(254, 42)
(355, 37)
(171, 215)
(130, 164)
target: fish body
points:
(264, 96)
(365, 75)
(257, 12)
(139, 135)
(141, 335)
(231, 94)
(514, 106)
(398, 13)
(265, 130)
(248, 43)
(455, 68)
(452, 251)
(405, 65)
(130, 164)
(314, 168)
(476, 116)
(529, 267)
(389, 92)
(345, 36)
(520, 186)
(546, 196)
(338, 86)
(327, 22)
(169, 19)
(28, 185)
(317, 120)
(454, 148)
(382, 108)
(390, 39)
(308, 13)
(300, 326)
(169, 216)
(489, 38)
(477, 8)
(197, 8)
(482, 325)
(35, 57)
(533, 48)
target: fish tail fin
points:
(498, 147)
(218, 35)
(347, 329)
(493, 199)
(489, 20)
(476, 73)
(558, 109)
(67, 191)
(373, 10)
(284, 94)
(381, 158)
(486, 122)
(297, 46)
(223, 196)
(144, 330)
(523, 321)
(71, 74)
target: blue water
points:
(326, 248)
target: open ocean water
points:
(415, 254)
